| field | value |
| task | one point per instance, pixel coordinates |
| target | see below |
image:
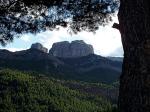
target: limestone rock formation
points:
(77, 48)
(40, 47)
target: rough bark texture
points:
(134, 18)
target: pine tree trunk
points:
(134, 20)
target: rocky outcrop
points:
(77, 48)
(40, 47)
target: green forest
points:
(24, 92)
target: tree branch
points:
(116, 26)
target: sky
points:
(106, 41)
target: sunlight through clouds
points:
(25, 38)
(15, 49)
(105, 41)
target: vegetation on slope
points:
(23, 92)
(110, 92)
(89, 68)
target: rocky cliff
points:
(40, 47)
(77, 48)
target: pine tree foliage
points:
(32, 16)
(22, 92)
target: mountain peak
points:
(39, 46)
(77, 48)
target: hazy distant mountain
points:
(39, 47)
(116, 58)
(91, 68)
(95, 68)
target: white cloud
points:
(15, 49)
(118, 52)
(25, 38)
(106, 41)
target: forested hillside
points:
(24, 92)
(91, 68)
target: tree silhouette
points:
(134, 26)
(24, 16)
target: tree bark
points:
(134, 21)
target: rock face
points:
(77, 48)
(40, 47)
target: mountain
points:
(90, 68)
(116, 58)
(24, 92)
(77, 48)
(95, 68)
(40, 47)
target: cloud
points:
(15, 49)
(118, 52)
(25, 38)
(106, 41)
